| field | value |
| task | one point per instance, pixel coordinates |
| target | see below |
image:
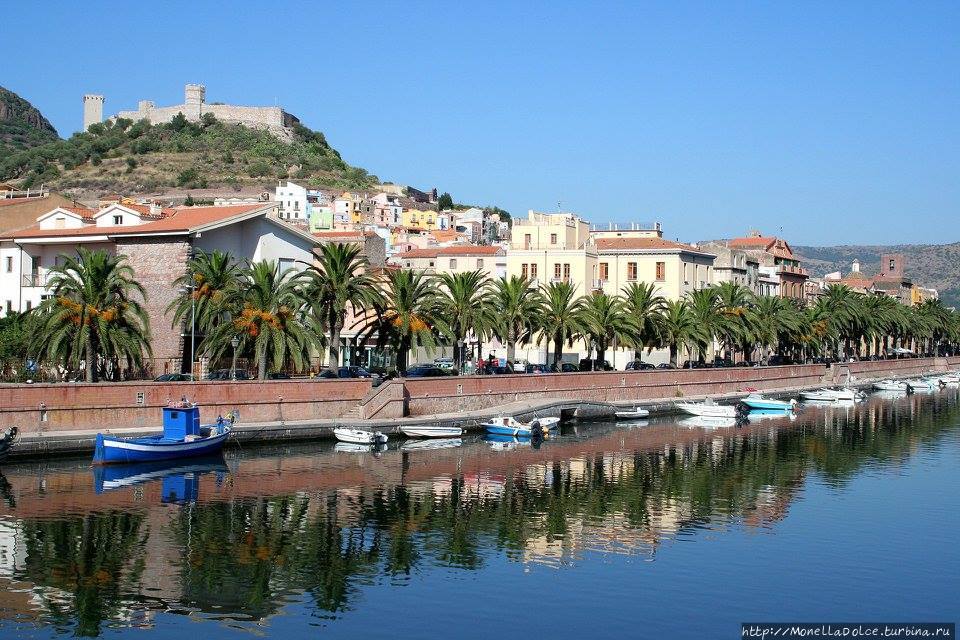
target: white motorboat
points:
(635, 413)
(890, 385)
(359, 436)
(429, 445)
(424, 431)
(708, 409)
(510, 426)
(831, 395)
(709, 422)
(923, 384)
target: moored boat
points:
(510, 426)
(636, 413)
(831, 395)
(359, 436)
(424, 431)
(183, 437)
(890, 385)
(708, 409)
(755, 401)
(922, 384)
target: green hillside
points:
(21, 124)
(139, 158)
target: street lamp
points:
(234, 342)
(193, 320)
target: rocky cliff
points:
(21, 124)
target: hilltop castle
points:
(274, 119)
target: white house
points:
(157, 243)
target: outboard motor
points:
(536, 434)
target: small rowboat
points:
(359, 436)
(183, 437)
(757, 401)
(509, 426)
(708, 409)
(632, 414)
(422, 431)
(831, 395)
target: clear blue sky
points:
(838, 122)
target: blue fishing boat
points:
(183, 437)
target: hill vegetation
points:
(21, 125)
(129, 157)
(929, 265)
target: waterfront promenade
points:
(274, 411)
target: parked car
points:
(723, 362)
(278, 375)
(639, 365)
(347, 372)
(565, 367)
(696, 364)
(666, 365)
(535, 368)
(425, 371)
(443, 363)
(227, 374)
(778, 360)
(174, 377)
(587, 364)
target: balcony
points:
(598, 284)
(790, 269)
(36, 279)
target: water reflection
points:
(82, 550)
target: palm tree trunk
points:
(557, 349)
(333, 352)
(90, 356)
(673, 353)
(262, 366)
(511, 344)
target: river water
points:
(654, 529)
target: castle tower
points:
(92, 110)
(194, 95)
(892, 265)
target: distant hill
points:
(929, 265)
(22, 126)
(137, 158)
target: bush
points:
(259, 168)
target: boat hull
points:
(708, 410)
(636, 414)
(358, 436)
(763, 404)
(112, 450)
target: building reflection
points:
(306, 521)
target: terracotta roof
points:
(83, 212)
(180, 220)
(447, 235)
(4, 202)
(639, 244)
(753, 242)
(453, 251)
(144, 210)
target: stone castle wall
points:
(274, 119)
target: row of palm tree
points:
(280, 319)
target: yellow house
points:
(553, 247)
(419, 219)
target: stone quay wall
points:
(51, 408)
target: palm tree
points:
(734, 301)
(210, 280)
(773, 320)
(680, 327)
(705, 307)
(561, 313)
(464, 305)
(644, 310)
(406, 314)
(268, 320)
(518, 307)
(839, 307)
(337, 282)
(604, 320)
(93, 313)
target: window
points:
(9, 307)
(523, 270)
(285, 264)
(556, 270)
(526, 240)
(479, 263)
(631, 271)
(29, 305)
(9, 262)
(533, 270)
(118, 220)
(431, 264)
(59, 222)
(661, 271)
(566, 271)
(892, 263)
(553, 238)
(604, 271)
(685, 279)
(453, 263)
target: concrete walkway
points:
(82, 441)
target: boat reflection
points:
(180, 479)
